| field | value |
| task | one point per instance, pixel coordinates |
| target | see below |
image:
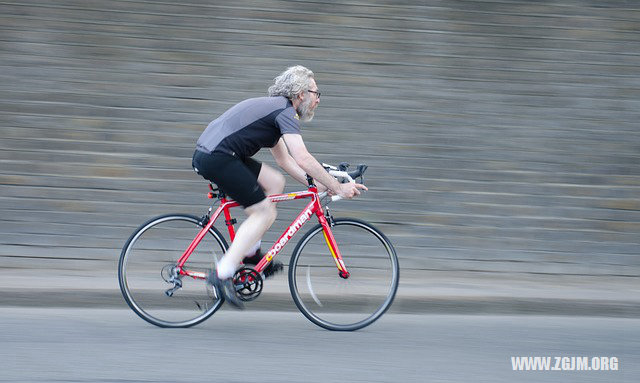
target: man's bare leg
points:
(260, 217)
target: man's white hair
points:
(291, 82)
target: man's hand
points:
(350, 190)
(312, 167)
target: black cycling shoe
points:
(226, 288)
(272, 268)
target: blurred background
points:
(502, 136)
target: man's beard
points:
(304, 110)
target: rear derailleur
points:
(171, 274)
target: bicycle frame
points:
(313, 207)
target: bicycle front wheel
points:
(331, 301)
(151, 283)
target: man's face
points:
(310, 101)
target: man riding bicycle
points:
(223, 156)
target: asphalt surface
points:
(72, 325)
(113, 345)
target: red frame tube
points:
(313, 207)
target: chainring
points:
(248, 284)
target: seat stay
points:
(205, 229)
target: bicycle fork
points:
(326, 220)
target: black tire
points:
(146, 262)
(340, 304)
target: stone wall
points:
(501, 136)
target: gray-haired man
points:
(223, 156)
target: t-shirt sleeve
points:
(288, 121)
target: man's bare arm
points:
(312, 167)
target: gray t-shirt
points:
(249, 126)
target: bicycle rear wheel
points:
(151, 283)
(341, 304)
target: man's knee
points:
(275, 184)
(264, 209)
(279, 183)
(271, 180)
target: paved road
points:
(113, 345)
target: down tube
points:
(286, 236)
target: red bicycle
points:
(164, 265)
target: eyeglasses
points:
(314, 91)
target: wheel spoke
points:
(151, 283)
(310, 287)
(337, 303)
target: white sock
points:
(226, 268)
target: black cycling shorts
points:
(236, 177)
